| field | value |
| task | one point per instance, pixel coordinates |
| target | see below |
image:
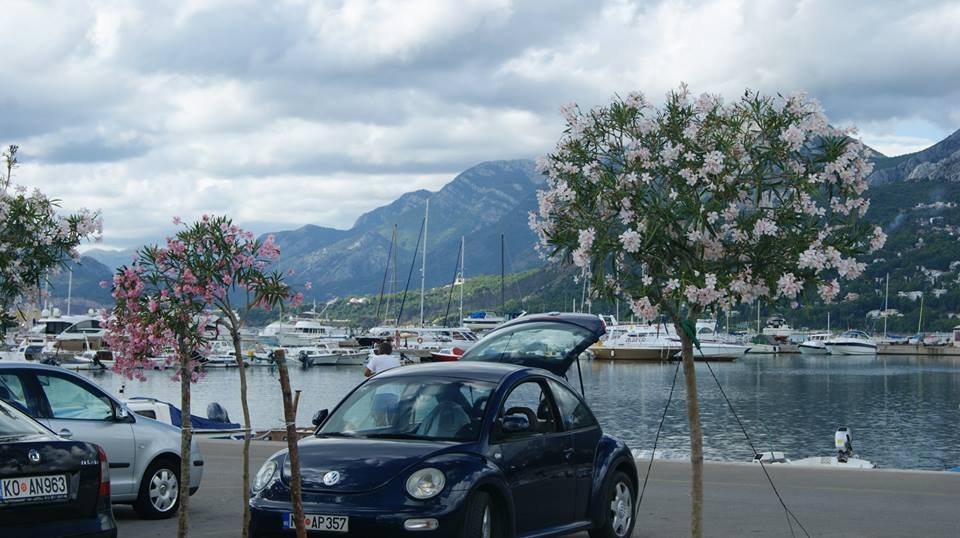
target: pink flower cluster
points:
(162, 299)
(707, 194)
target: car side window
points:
(529, 399)
(71, 400)
(12, 391)
(573, 412)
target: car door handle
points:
(65, 433)
(568, 453)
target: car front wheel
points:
(618, 509)
(481, 519)
(159, 496)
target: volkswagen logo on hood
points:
(331, 478)
(34, 456)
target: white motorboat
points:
(483, 321)
(843, 441)
(716, 350)
(353, 357)
(852, 343)
(318, 355)
(643, 342)
(815, 344)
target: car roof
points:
(480, 371)
(9, 365)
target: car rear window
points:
(14, 422)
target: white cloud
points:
(302, 112)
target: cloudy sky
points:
(292, 112)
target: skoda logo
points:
(34, 456)
(331, 478)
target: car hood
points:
(589, 330)
(363, 464)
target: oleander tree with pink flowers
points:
(164, 304)
(699, 205)
(35, 241)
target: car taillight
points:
(104, 473)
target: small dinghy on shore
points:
(216, 425)
(843, 440)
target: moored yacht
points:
(302, 331)
(815, 344)
(852, 343)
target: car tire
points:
(618, 510)
(160, 490)
(480, 518)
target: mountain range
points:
(494, 198)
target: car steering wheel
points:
(531, 416)
(478, 405)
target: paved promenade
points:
(738, 501)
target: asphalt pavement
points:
(737, 497)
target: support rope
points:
(656, 438)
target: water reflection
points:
(904, 411)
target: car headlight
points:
(426, 483)
(265, 475)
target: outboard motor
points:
(843, 440)
(217, 413)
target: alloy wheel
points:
(163, 490)
(621, 508)
(485, 527)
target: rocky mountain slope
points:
(938, 162)
(481, 203)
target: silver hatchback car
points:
(144, 454)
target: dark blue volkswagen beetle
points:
(495, 445)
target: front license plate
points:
(33, 488)
(318, 522)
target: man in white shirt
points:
(381, 360)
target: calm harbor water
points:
(904, 411)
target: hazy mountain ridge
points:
(480, 203)
(939, 162)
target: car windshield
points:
(542, 340)
(412, 407)
(15, 423)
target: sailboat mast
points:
(463, 278)
(69, 290)
(423, 269)
(886, 299)
(920, 321)
(503, 304)
(396, 261)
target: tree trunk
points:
(291, 421)
(235, 335)
(696, 436)
(186, 438)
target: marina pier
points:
(738, 500)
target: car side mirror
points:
(319, 417)
(122, 414)
(512, 424)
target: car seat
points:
(444, 421)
